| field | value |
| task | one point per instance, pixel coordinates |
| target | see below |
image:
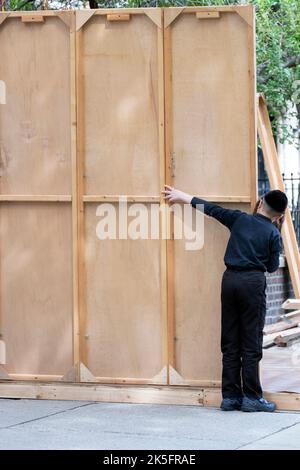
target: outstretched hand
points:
(175, 195)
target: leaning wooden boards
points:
(102, 104)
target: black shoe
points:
(257, 404)
(231, 404)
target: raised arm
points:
(226, 217)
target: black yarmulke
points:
(277, 200)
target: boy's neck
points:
(264, 213)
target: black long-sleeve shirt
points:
(254, 243)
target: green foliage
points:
(278, 46)
(20, 5)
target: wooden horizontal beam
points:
(35, 378)
(103, 393)
(160, 394)
(138, 198)
(244, 199)
(115, 198)
(35, 198)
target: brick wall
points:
(279, 288)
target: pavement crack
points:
(45, 416)
(268, 435)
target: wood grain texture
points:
(123, 324)
(211, 118)
(35, 122)
(36, 287)
(119, 61)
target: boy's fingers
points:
(168, 187)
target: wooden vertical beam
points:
(80, 191)
(252, 105)
(276, 182)
(161, 135)
(169, 180)
(76, 349)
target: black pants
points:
(243, 315)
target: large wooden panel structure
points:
(121, 141)
(102, 104)
(36, 301)
(211, 151)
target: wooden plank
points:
(75, 249)
(36, 277)
(202, 158)
(291, 304)
(121, 145)
(38, 162)
(249, 16)
(201, 15)
(276, 182)
(35, 198)
(124, 306)
(116, 198)
(103, 393)
(118, 17)
(286, 337)
(290, 316)
(162, 179)
(133, 394)
(268, 340)
(169, 181)
(282, 325)
(285, 401)
(32, 19)
(36, 377)
(80, 192)
(44, 13)
(139, 198)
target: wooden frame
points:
(29, 199)
(203, 26)
(78, 197)
(273, 169)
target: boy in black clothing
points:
(253, 248)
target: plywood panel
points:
(123, 325)
(211, 94)
(36, 287)
(35, 122)
(197, 287)
(121, 120)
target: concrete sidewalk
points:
(27, 424)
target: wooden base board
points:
(148, 394)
